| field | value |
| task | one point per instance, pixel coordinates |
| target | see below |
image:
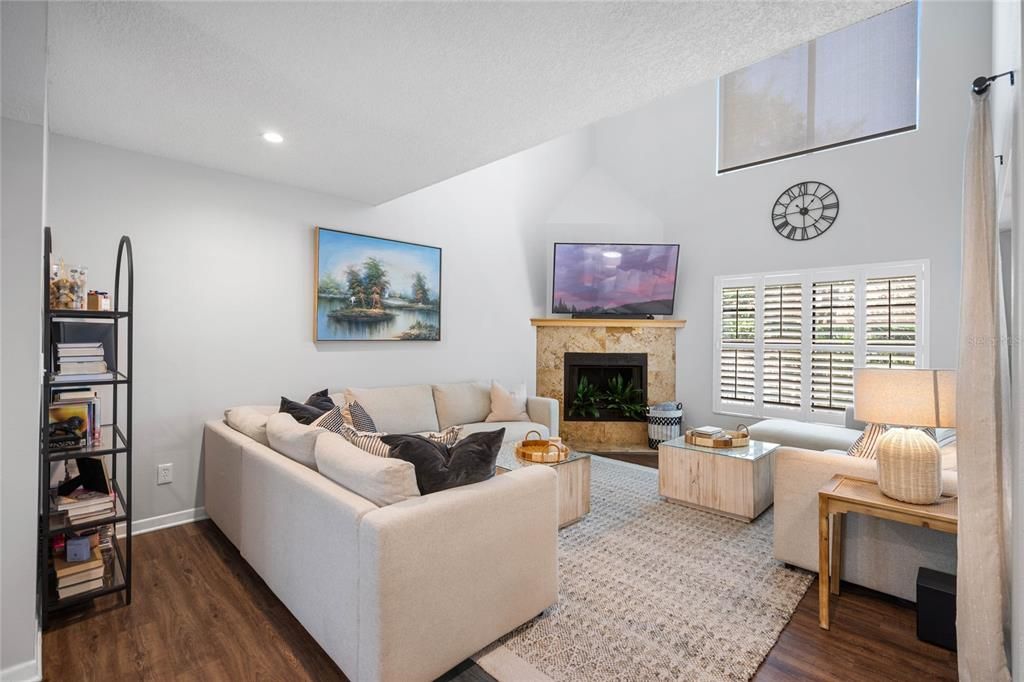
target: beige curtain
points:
(982, 599)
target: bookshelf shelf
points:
(115, 445)
(112, 442)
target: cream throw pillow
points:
(507, 406)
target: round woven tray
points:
(540, 450)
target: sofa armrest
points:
(799, 475)
(543, 411)
(300, 532)
(443, 575)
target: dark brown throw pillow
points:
(439, 467)
(308, 412)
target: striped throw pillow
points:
(867, 443)
(331, 420)
(369, 441)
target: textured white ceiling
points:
(379, 99)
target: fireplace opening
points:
(602, 387)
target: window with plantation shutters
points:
(736, 353)
(787, 343)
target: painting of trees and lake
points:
(373, 289)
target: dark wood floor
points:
(200, 612)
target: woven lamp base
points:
(909, 466)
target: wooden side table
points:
(845, 494)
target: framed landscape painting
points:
(373, 289)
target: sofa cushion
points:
(466, 402)
(398, 409)
(250, 420)
(513, 430)
(804, 435)
(439, 467)
(506, 405)
(308, 412)
(380, 480)
(292, 439)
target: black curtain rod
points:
(981, 83)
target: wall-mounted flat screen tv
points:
(615, 279)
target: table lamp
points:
(909, 461)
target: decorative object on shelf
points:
(664, 422)
(373, 289)
(740, 438)
(67, 287)
(909, 460)
(541, 450)
(98, 300)
(805, 211)
(77, 549)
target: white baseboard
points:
(28, 671)
(163, 521)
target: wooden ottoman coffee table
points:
(573, 482)
(736, 482)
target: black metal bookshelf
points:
(115, 441)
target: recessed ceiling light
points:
(272, 137)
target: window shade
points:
(783, 313)
(833, 312)
(738, 314)
(855, 83)
(781, 382)
(891, 311)
(831, 380)
(736, 378)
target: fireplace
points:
(606, 378)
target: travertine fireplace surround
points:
(558, 336)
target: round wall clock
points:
(805, 210)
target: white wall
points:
(224, 284)
(899, 196)
(23, 171)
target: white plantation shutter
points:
(736, 358)
(787, 343)
(891, 311)
(833, 312)
(783, 313)
(737, 375)
(831, 379)
(782, 325)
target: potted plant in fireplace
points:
(619, 396)
(586, 402)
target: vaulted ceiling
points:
(376, 100)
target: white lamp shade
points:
(905, 397)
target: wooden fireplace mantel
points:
(605, 322)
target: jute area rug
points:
(651, 590)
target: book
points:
(92, 516)
(76, 368)
(69, 353)
(65, 360)
(83, 576)
(66, 395)
(707, 430)
(88, 586)
(64, 568)
(100, 376)
(82, 499)
(79, 345)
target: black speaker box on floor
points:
(936, 608)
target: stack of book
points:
(80, 576)
(81, 362)
(708, 431)
(82, 505)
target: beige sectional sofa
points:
(392, 590)
(878, 554)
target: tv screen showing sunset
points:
(615, 279)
